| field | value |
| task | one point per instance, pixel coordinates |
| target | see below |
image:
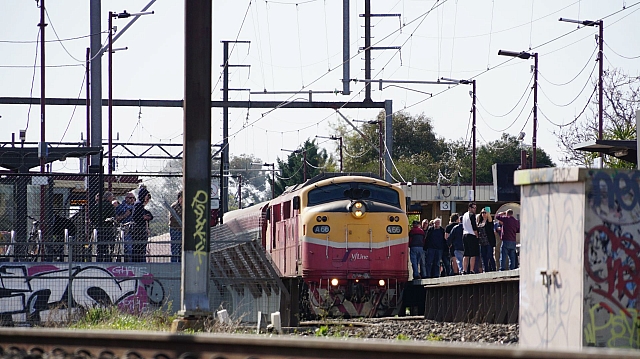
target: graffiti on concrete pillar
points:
(41, 293)
(612, 260)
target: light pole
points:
(473, 127)
(525, 56)
(112, 15)
(339, 138)
(600, 25)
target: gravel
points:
(411, 328)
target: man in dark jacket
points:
(416, 253)
(434, 246)
(140, 231)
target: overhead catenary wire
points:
(576, 117)
(575, 98)
(527, 88)
(575, 77)
(624, 57)
(82, 61)
(84, 79)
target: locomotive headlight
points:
(358, 209)
(381, 282)
(321, 229)
(393, 229)
(334, 282)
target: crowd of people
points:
(108, 216)
(465, 246)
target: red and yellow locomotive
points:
(344, 237)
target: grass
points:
(113, 318)
(433, 337)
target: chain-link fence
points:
(81, 240)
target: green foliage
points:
(292, 171)
(433, 337)
(419, 154)
(402, 336)
(113, 318)
(323, 331)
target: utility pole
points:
(367, 48)
(473, 126)
(43, 145)
(346, 46)
(535, 112)
(224, 158)
(525, 56)
(600, 25)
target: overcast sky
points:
(298, 46)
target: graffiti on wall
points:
(611, 259)
(38, 293)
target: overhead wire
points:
(576, 117)
(575, 98)
(576, 76)
(84, 79)
(33, 77)
(528, 87)
(624, 57)
(58, 37)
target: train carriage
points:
(344, 237)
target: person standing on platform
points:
(434, 246)
(175, 229)
(140, 231)
(510, 227)
(123, 216)
(416, 254)
(470, 239)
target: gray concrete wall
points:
(581, 228)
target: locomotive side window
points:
(353, 191)
(286, 210)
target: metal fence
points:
(66, 244)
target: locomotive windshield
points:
(353, 191)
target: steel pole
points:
(87, 74)
(42, 89)
(600, 84)
(367, 49)
(535, 111)
(340, 153)
(346, 45)
(110, 102)
(473, 126)
(196, 205)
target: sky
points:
(297, 46)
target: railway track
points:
(34, 343)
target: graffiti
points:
(611, 262)
(36, 294)
(616, 199)
(198, 204)
(619, 330)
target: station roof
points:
(623, 149)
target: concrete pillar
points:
(580, 257)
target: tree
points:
(292, 170)
(621, 97)
(254, 182)
(417, 150)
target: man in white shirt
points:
(470, 239)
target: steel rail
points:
(19, 342)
